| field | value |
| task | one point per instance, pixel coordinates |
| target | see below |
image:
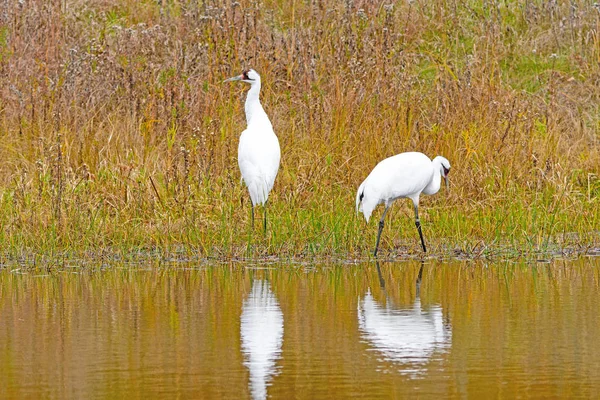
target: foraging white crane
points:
(402, 175)
(258, 152)
(261, 331)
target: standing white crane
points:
(402, 175)
(258, 152)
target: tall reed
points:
(117, 135)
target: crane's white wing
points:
(402, 175)
(258, 157)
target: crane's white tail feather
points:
(362, 203)
(359, 197)
(259, 191)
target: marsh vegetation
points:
(117, 136)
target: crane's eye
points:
(245, 75)
(446, 171)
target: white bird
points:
(402, 175)
(258, 152)
(261, 331)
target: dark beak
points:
(235, 78)
(447, 184)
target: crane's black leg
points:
(418, 225)
(381, 223)
(252, 212)
(265, 220)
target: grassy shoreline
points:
(117, 135)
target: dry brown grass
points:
(116, 132)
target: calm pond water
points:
(237, 331)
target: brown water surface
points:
(237, 331)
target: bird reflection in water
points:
(261, 331)
(408, 335)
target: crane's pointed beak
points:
(235, 78)
(447, 183)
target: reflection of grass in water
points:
(122, 139)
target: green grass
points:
(117, 136)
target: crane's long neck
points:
(436, 179)
(253, 108)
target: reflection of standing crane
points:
(408, 335)
(261, 329)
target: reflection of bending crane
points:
(404, 335)
(261, 330)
